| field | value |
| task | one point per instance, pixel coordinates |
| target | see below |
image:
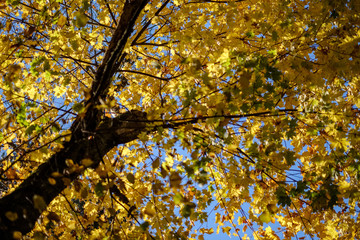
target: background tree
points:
(126, 119)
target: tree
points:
(128, 119)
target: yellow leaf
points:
(71, 225)
(52, 181)
(69, 162)
(39, 202)
(268, 230)
(12, 216)
(175, 180)
(226, 230)
(265, 217)
(211, 154)
(87, 162)
(62, 20)
(56, 174)
(17, 235)
(150, 210)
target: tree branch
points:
(90, 139)
(109, 66)
(20, 209)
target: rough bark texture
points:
(109, 66)
(90, 139)
(26, 202)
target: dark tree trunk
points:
(20, 209)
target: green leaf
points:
(81, 19)
(289, 157)
(178, 198)
(175, 179)
(272, 53)
(85, 4)
(187, 209)
(78, 107)
(301, 186)
(273, 73)
(74, 44)
(30, 129)
(35, 63)
(13, 3)
(46, 66)
(144, 226)
(265, 217)
(55, 127)
(292, 129)
(21, 116)
(245, 108)
(250, 34)
(99, 189)
(66, 81)
(282, 197)
(274, 36)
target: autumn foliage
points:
(159, 119)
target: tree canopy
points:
(138, 119)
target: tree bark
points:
(20, 209)
(91, 138)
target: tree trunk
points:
(90, 139)
(20, 209)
